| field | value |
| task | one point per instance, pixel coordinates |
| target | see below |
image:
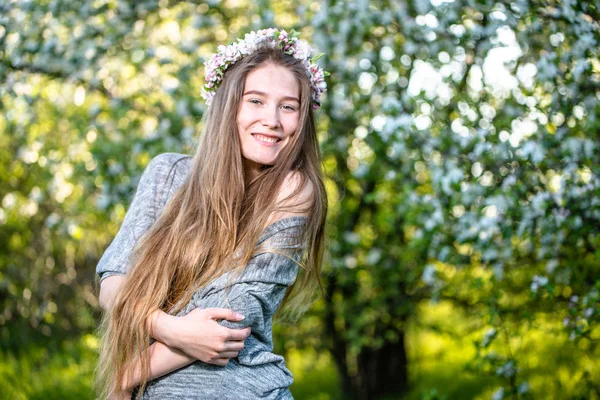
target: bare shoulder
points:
(295, 197)
(295, 190)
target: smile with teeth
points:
(266, 139)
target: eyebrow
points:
(258, 92)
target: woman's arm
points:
(182, 333)
(165, 359)
(109, 287)
(197, 334)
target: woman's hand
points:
(199, 334)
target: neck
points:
(251, 170)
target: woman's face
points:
(268, 116)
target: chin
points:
(265, 161)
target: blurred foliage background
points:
(460, 140)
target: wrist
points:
(161, 327)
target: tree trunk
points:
(381, 372)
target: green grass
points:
(315, 376)
(41, 374)
(437, 365)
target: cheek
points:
(293, 125)
(244, 116)
(240, 119)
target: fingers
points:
(222, 357)
(238, 334)
(233, 346)
(229, 354)
(224, 313)
(220, 361)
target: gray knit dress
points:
(257, 373)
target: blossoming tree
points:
(463, 145)
(460, 140)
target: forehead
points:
(274, 80)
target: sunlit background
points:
(460, 143)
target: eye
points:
(255, 101)
(288, 107)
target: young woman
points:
(211, 245)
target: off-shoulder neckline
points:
(281, 224)
(271, 229)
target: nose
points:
(270, 117)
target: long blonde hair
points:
(213, 213)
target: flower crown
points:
(274, 38)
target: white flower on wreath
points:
(301, 50)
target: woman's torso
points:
(257, 373)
